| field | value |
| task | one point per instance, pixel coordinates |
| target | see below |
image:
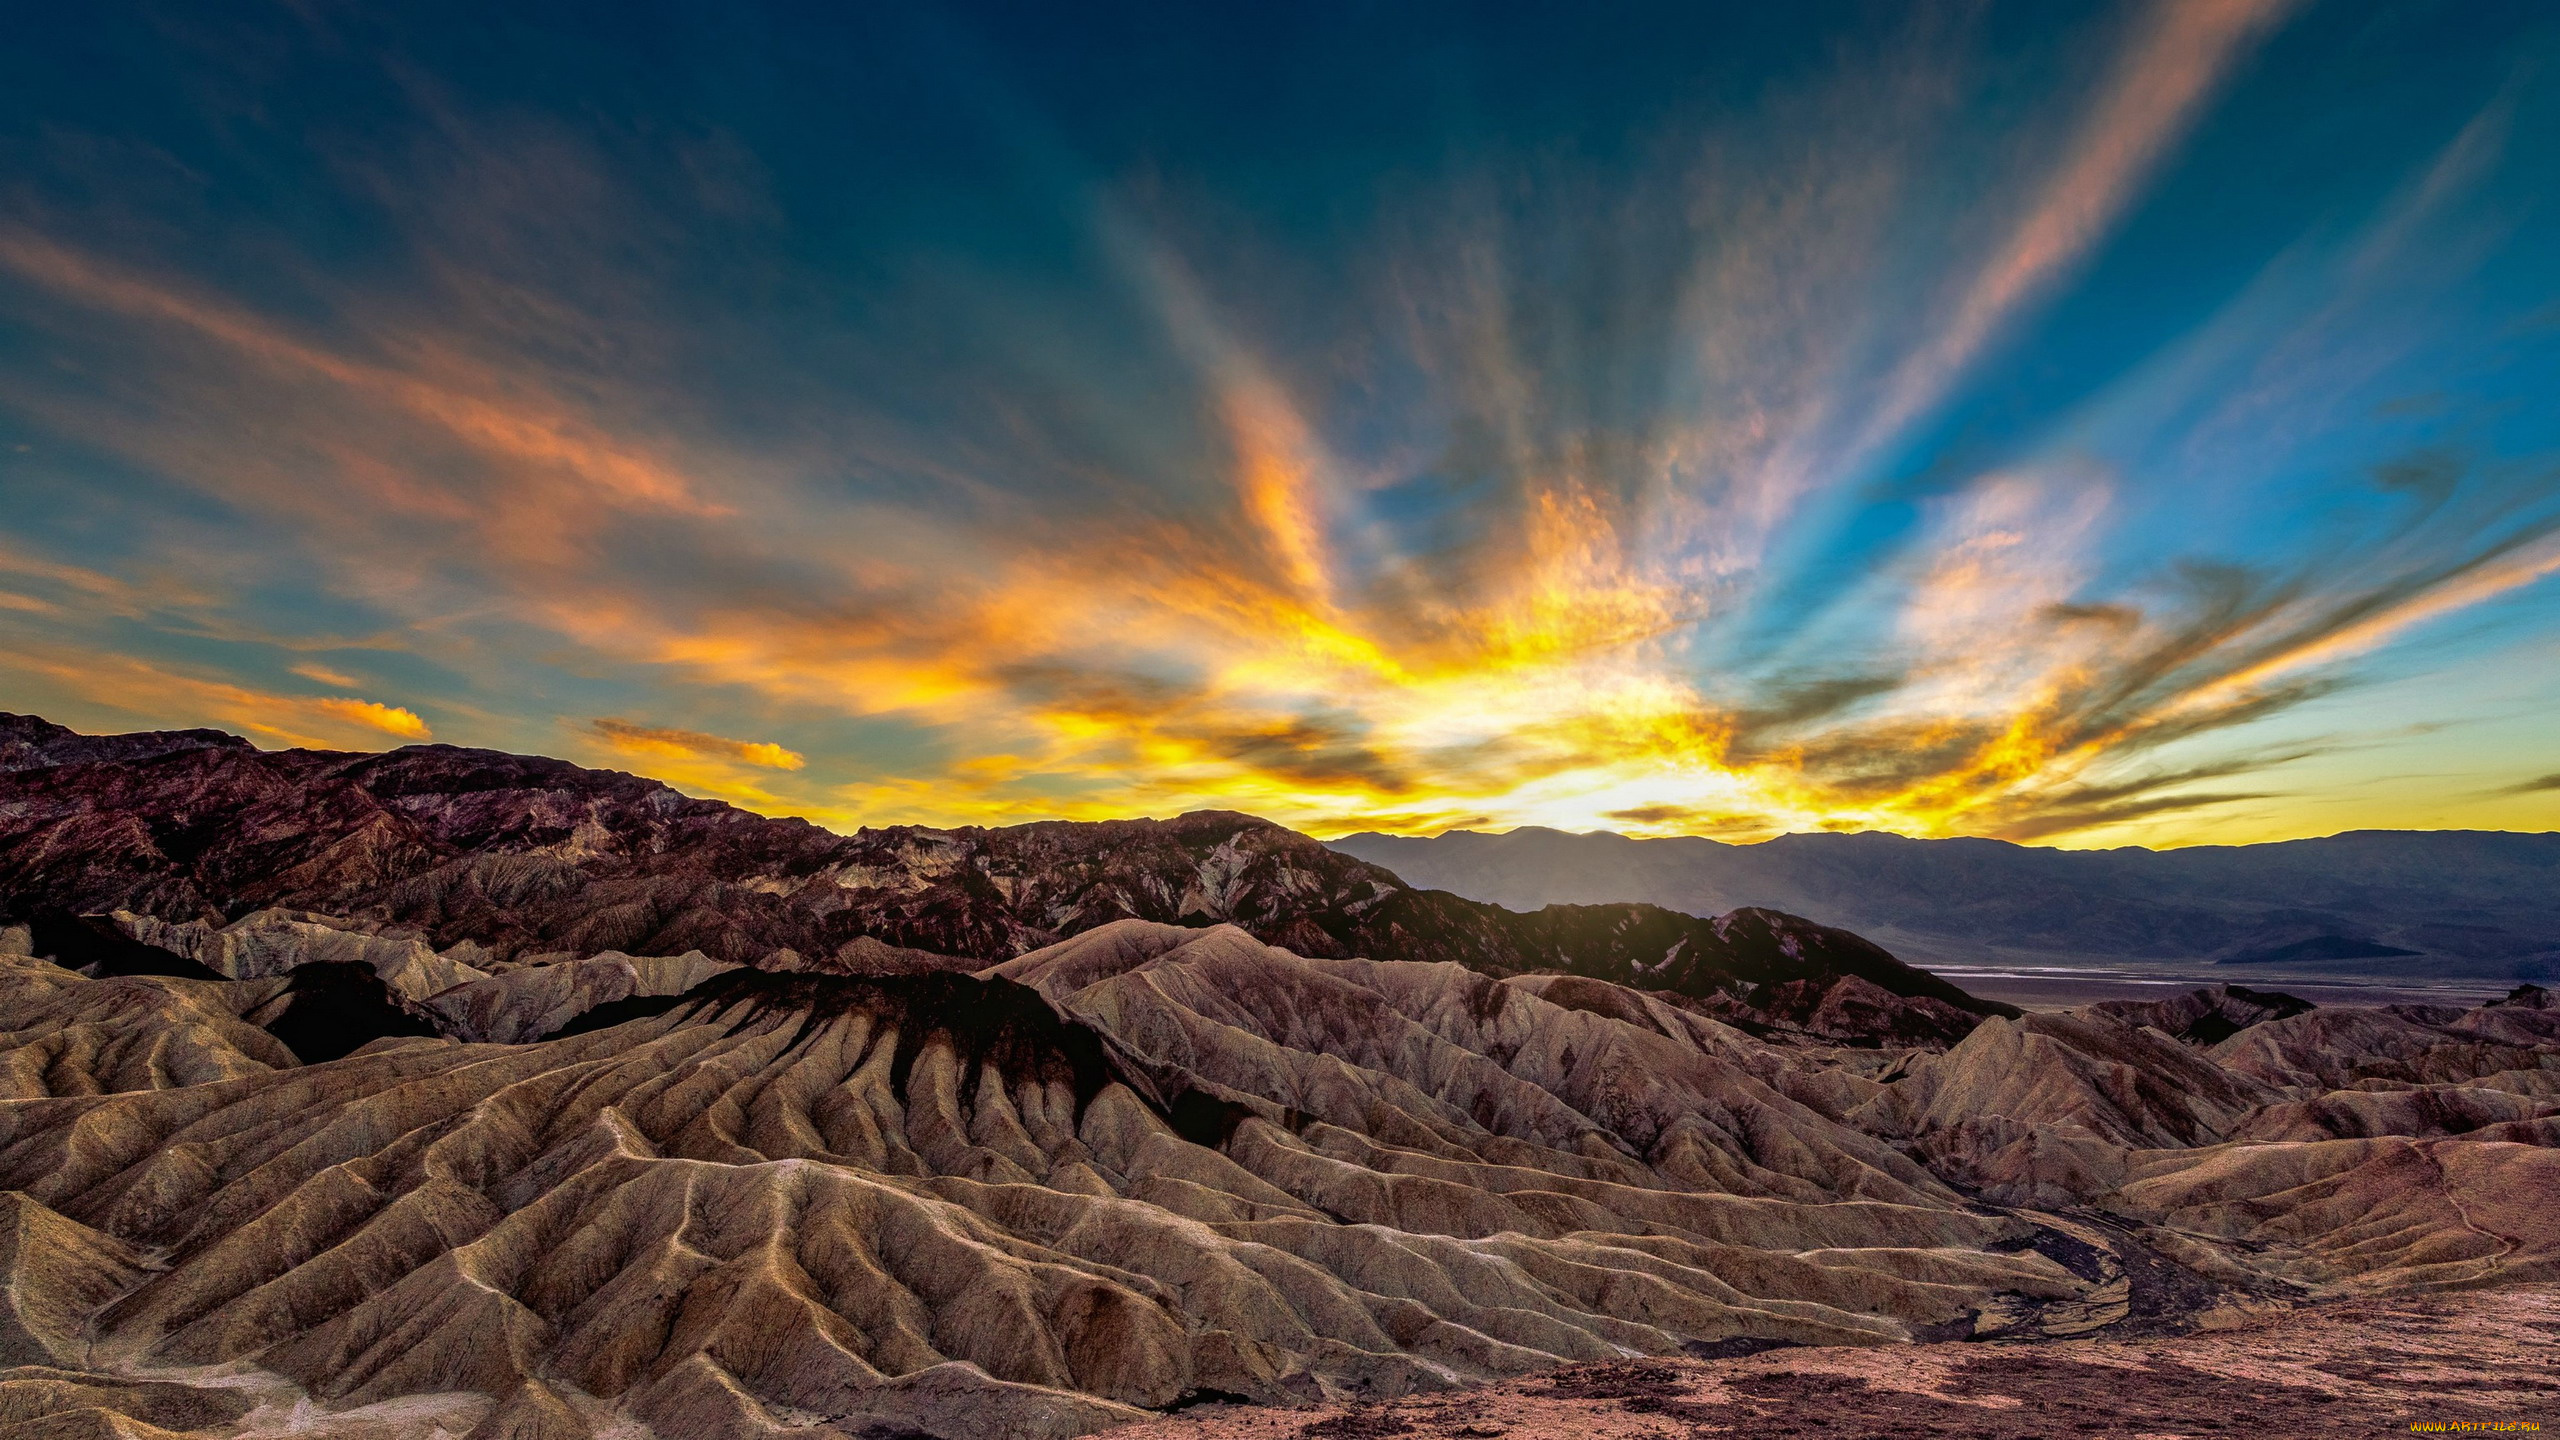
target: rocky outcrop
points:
(2335, 1049)
(2208, 1016)
(2424, 1112)
(533, 1001)
(2044, 1110)
(2528, 1015)
(54, 1274)
(271, 942)
(1851, 1010)
(29, 743)
(44, 1402)
(68, 1035)
(97, 945)
(2367, 1214)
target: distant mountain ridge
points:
(524, 855)
(2482, 904)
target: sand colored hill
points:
(939, 1201)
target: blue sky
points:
(2080, 424)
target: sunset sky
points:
(2082, 425)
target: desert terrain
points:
(455, 1092)
(2475, 1362)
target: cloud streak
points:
(661, 742)
(2181, 53)
(162, 695)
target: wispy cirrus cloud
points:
(2174, 64)
(442, 389)
(325, 675)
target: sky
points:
(2076, 424)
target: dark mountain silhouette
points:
(2377, 903)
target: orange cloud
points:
(1275, 460)
(633, 739)
(78, 586)
(711, 765)
(389, 719)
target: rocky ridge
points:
(515, 856)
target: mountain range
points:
(452, 1093)
(515, 856)
(2372, 903)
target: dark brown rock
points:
(523, 854)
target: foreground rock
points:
(1145, 1166)
(1153, 1167)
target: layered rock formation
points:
(1156, 1164)
(253, 1181)
(1149, 1163)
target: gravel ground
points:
(2479, 1362)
